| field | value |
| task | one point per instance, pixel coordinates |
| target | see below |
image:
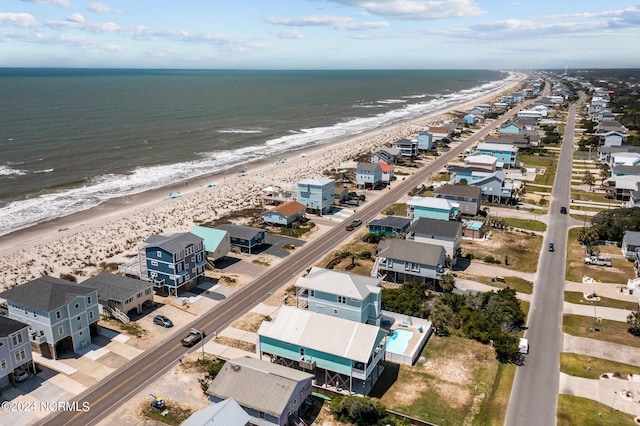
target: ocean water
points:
(71, 139)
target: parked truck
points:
(595, 260)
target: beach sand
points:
(78, 244)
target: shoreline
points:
(76, 244)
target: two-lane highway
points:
(121, 385)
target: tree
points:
(633, 321)
(588, 179)
(605, 172)
(447, 282)
(587, 235)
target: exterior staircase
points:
(119, 315)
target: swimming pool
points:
(474, 225)
(399, 341)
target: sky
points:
(320, 34)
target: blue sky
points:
(319, 34)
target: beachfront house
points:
(506, 154)
(340, 294)
(400, 261)
(431, 207)
(244, 238)
(316, 194)
(386, 155)
(425, 141)
(342, 355)
(217, 243)
(447, 234)
(408, 148)
(630, 243)
(387, 172)
(224, 413)
(269, 393)
(61, 315)
(438, 134)
(468, 197)
(389, 225)
(285, 214)
(173, 261)
(118, 296)
(15, 350)
(368, 175)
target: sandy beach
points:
(78, 244)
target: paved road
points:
(534, 396)
(142, 371)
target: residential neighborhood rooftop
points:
(435, 227)
(355, 286)
(173, 243)
(459, 190)
(46, 293)
(411, 251)
(116, 287)
(9, 326)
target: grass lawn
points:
(537, 188)
(576, 269)
(578, 298)
(610, 331)
(359, 265)
(592, 196)
(397, 209)
(591, 368)
(451, 386)
(573, 410)
(175, 416)
(494, 409)
(531, 225)
(522, 250)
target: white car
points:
(20, 375)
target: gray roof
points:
(411, 251)
(46, 293)
(436, 227)
(399, 222)
(323, 333)
(240, 231)
(260, 385)
(116, 287)
(357, 287)
(173, 243)
(621, 148)
(632, 238)
(368, 167)
(459, 190)
(9, 326)
(224, 413)
(626, 170)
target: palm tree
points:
(447, 282)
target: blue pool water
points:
(398, 341)
(474, 226)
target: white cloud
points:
(288, 34)
(335, 22)
(76, 17)
(61, 3)
(101, 8)
(24, 20)
(99, 27)
(416, 10)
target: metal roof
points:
(432, 202)
(240, 231)
(212, 237)
(316, 182)
(392, 222)
(223, 413)
(324, 333)
(329, 281)
(256, 384)
(459, 190)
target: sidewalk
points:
(599, 349)
(612, 314)
(609, 290)
(611, 392)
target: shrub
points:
(365, 254)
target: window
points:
(77, 306)
(193, 270)
(335, 311)
(342, 299)
(20, 355)
(389, 263)
(90, 314)
(3, 364)
(88, 300)
(154, 263)
(17, 339)
(58, 315)
(158, 253)
(1, 343)
(312, 293)
(35, 314)
(301, 352)
(80, 334)
(78, 318)
(179, 267)
(60, 331)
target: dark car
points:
(356, 223)
(163, 321)
(563, 210)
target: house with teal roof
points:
(434, 208)
(217, 242)
(340, 294)
(343, 355)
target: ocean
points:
(71, 139)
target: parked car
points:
(595, 260)
(20, 375)
(162, 321)
(193, 337)
(563, 210)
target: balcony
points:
(38, 337)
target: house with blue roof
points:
(506, 154)
(389, 225)
(342, 355)
(316, 194)
(172, 261)
(15, 349)
(61, 315)
(431, 207)
(340, 294)
(217, 242)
